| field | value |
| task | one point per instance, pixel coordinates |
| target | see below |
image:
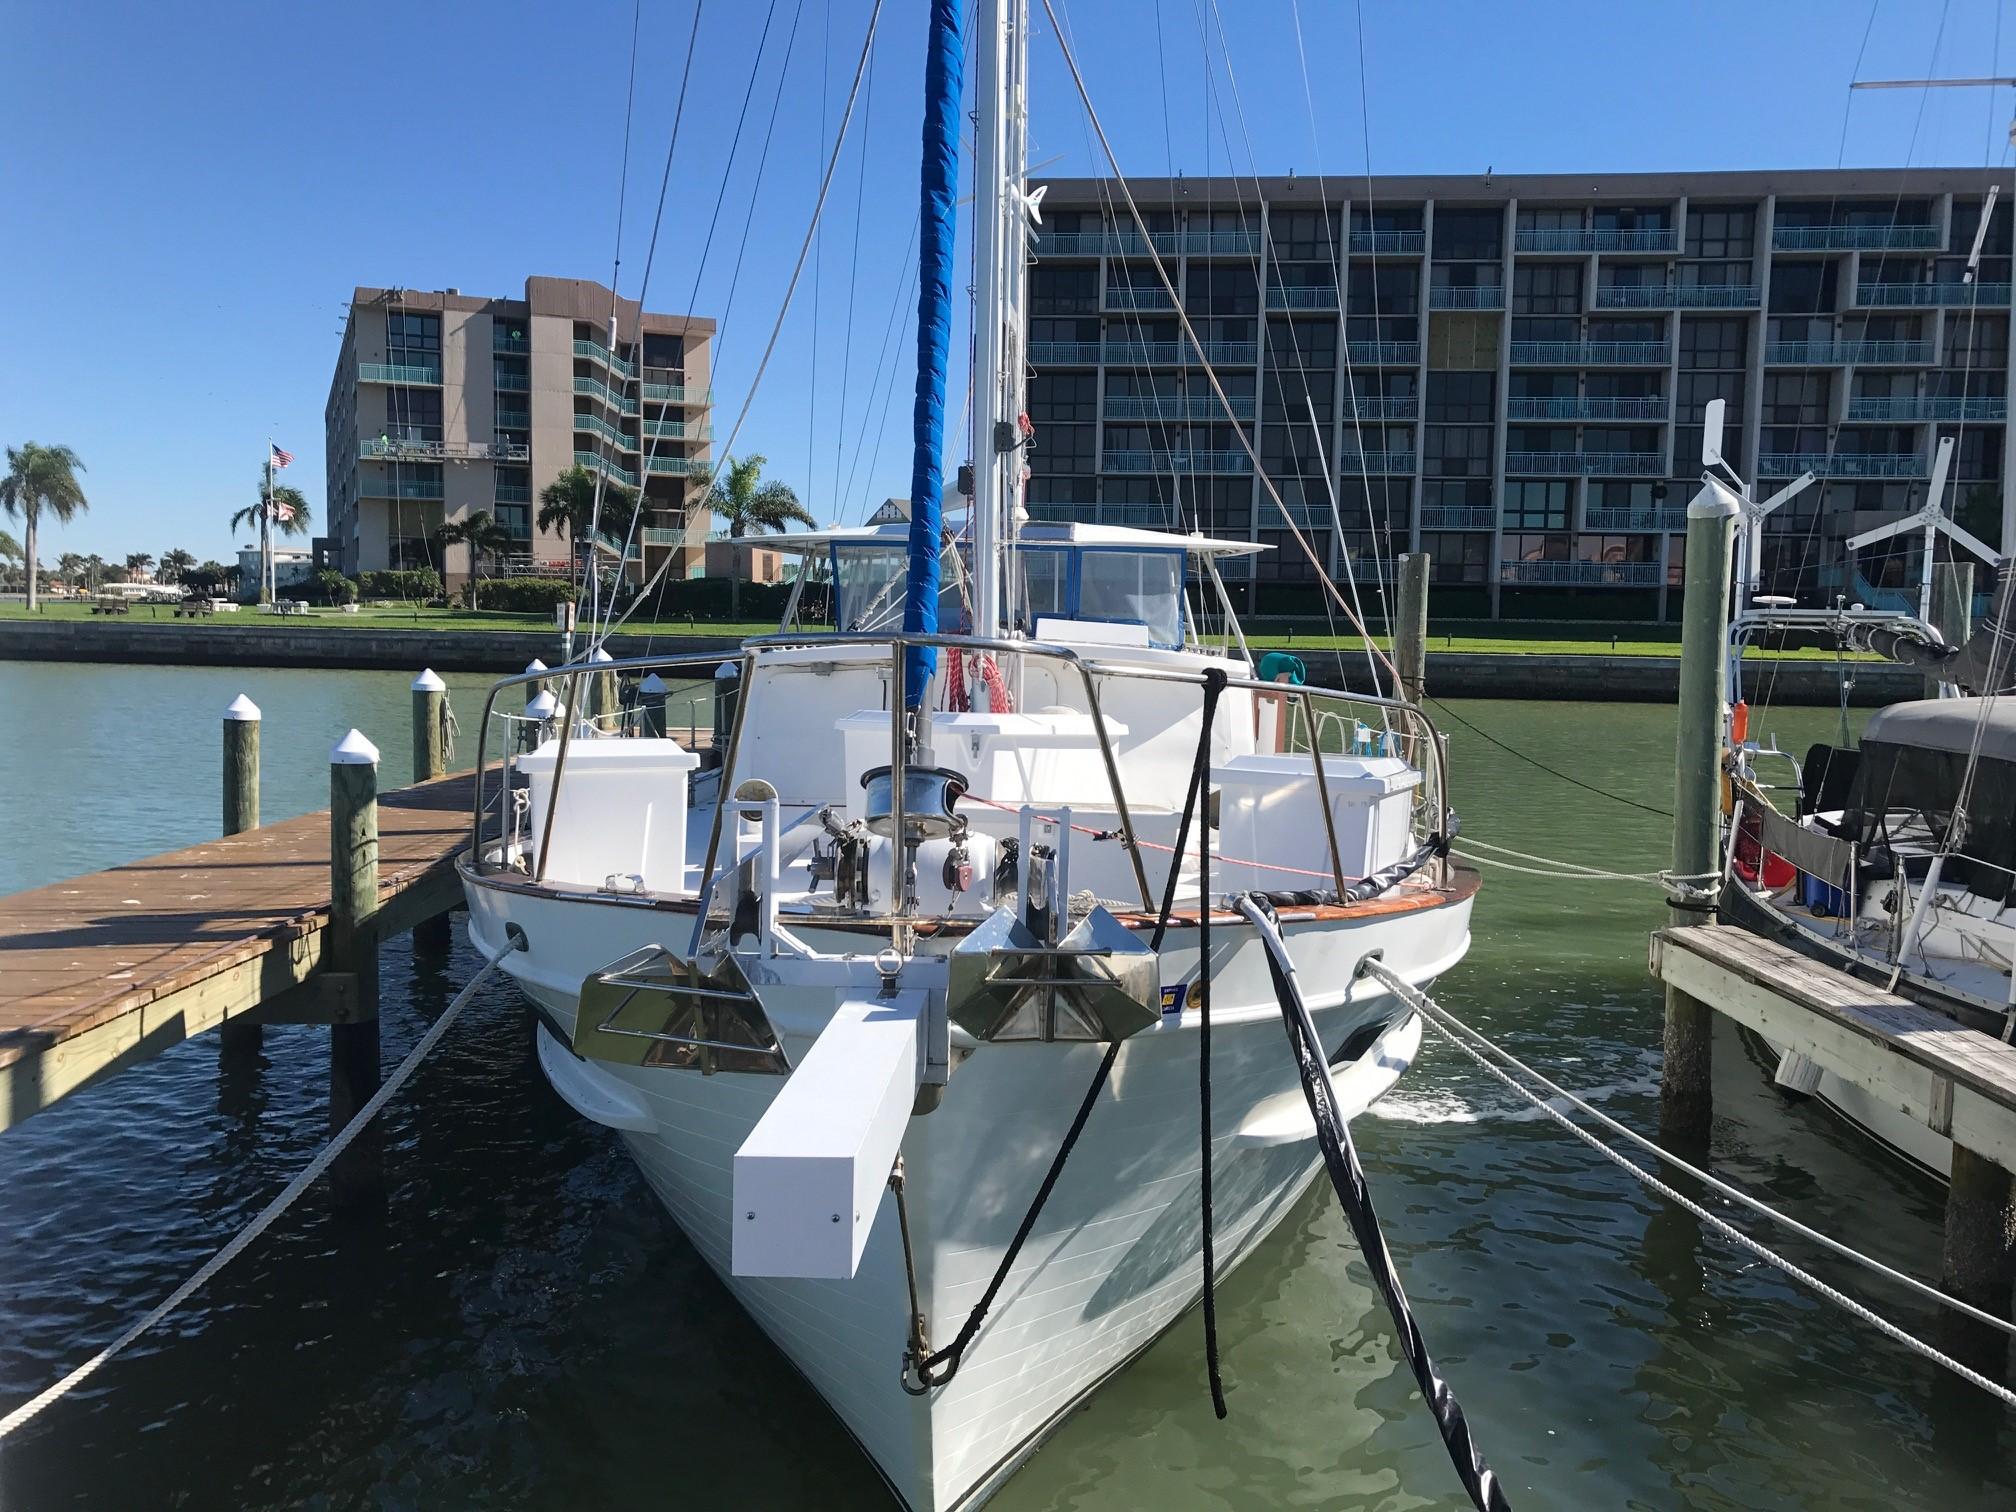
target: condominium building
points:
(444, 403)
(1512, 372)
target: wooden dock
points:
(105, 970)
(1956, 1081)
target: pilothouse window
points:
(1139, 587)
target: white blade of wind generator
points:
(1922, 518)
(1711, 434)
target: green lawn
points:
(1500, 638)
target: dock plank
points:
(1957, 1081)
(242, 913)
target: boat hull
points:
(1115, 1257)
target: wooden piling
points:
(351, 948)
(238, 1039)
(1978, 1260)
(604, 704)
(727, 692)
(1410, 626)
(1686, 1104)
(1952, 608)
(430, 760)
(651, 697)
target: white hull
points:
(1116, 1256)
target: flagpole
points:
(266, 584)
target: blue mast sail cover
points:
(937, 226)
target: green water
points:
(526, 1329)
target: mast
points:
(1001, 49)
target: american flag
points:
(281, 458)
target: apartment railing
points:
(513, 493)
(1628, 520)
(1173, 407)
(1302, 297)
(677, 467)
(1375, 462)
(1592, 353)
(1181, 353)
(1582, 574)
(1389, 241)
(1898, 295)
(604, 466)
(661, 535)
(511, 383)
(1458, 517)
(1927, 407)
(1675, 296)
(1843, 238)
(1467, 297)
(673, 393)
(1841, 464)
(1111, 243)
(594, 351)
(614, 435)
(1064, 353)
(676, 429)
(599, 390)
(428, 373)
(1382, 407)
(509, 343)
(1658, 239)
(1384, 353)
(1584, 407)
(514, 419)
(400, 488)
(1221, 243)
(1138, 297)
(1176, 462)
(1828, 353)
(1587, 464)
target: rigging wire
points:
(854, 280)
(791, 288)
(1190, 334)
(818, 259)
(1534, 761)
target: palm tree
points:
(750, 508)
(568, 504)
(288, 510)
(94, 564)
(70, 568)
(39, 478)
(481, 533)
(137, 563)
(175, 565)
(10, 555)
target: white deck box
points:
(622, 810)
(1270, 810)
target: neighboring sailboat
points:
(907, 1009)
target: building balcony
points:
(399, 488)
(1676, 296)
(614, 435)
(1176, 462)
(513, 493)
(1384, 353)
(1592, 353)
(1221, 243)
(1302, 297)
(675, 467)
(1181, 353)
(1064, 353)
(663, 535)
(1833, 353)
(509, 344)
(1926, 407)
(1582, 574)
(1174, 407)
(596, 389)
(594, 351)
(596, 462)
(1382, 407)
(1841, 464)
(674, 393)
(1458, 517)
(1660, 239)
(1138, 297)
(1389, 241)
(423, 373)
(1375, 462)
(1630, 520)
(1846, 238)
(1890, 296)
(677, 430)
(1467, 297)
(1106, 243)
(514, 419)
(392, 449)
(1585, 407)
(1587, 464)
(511, 383)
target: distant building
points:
(291, 566)
(891, 512)
(443, 404)
(753, 564)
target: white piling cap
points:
(600, 655)
(353, 750)
(545, 706)
(535, 665)
(652, 683)
(727, 670)
(242, 708)
(429, 682)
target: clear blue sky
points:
(192, 193)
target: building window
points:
(1721, 231)
(412, 333)
(1469, 235)
(1383, 289)
(1303, 235)
(1457, 451)
(1056, 398)
(1458, 557)
(1222, 289)
(1302, 343)
(1537, 503)
(1064, 290)
(1547, 289)
(1713, 343)
(1796, 398)
(1066, 448)
(1460, 398)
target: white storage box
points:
(622, 811)
(1270, 810)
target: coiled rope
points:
(288, 1196)
(1448, 1026)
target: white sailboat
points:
(909, 1010)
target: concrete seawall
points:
(1451, 674)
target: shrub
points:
(526, 595)
(412, 583)
(707, 599)
(329, 587)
